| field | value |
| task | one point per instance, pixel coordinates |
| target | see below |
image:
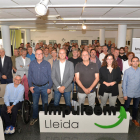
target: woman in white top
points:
(127, 63)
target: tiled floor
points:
(32, 133)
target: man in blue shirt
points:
(40, 82)
(30, 54)
(13, 102)
(131, 88)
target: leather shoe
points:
(136, 123)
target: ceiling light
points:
(42, 7)
(84, 26)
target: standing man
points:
(5, 68)
(122, 55)
(14, 60)
(30, 54)
(13, 102)
(109, 45)
(116, 54)
(87, 77)
(54, 57)
(22, 65)
(99, 51)
(47, 55)
(22, 45)
(70, 53)
(75, 59)
(41, 45)
(40, 82)
(131, 88)
(62, 76)
(126, 50)
(94, 58)
(103, 54)
(58, 48)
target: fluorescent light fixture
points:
(72, 30)
(42, 7)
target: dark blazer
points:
(103, 74)
(7, 67)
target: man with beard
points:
(94, 58)
(122, 55)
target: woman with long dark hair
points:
(110, 76)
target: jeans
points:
(6, 81)
(135, 106)
(6, 116)
(57, 96)
(36, 95)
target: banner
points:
(136, 46)
(101, 123)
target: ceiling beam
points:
(72, 6)
(71, 19)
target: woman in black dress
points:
(110, 77)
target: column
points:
(27, 36)
(122, 35)
(102, 37)
(132, 32)
(6, 39)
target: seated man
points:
(13, 102)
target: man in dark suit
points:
(5, 68)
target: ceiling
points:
(70, 14)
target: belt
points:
(40, 85)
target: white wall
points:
(67, 35)
(136, 33)
(78, 35)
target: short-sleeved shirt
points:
(75, 61)
(86, 75)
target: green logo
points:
(122, 116)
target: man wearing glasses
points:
(13, 102)
(40, 82)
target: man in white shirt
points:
(62, 76)
(103, 54)
(22, 65)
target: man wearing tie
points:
(22, 65)
(5, 68)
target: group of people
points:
(57, 69)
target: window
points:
(73, 41)
(52, 42)
(84, 42)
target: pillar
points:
(122, 35)
(27, 36)
(102, 37)
(6, 39)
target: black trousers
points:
(10, 119)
